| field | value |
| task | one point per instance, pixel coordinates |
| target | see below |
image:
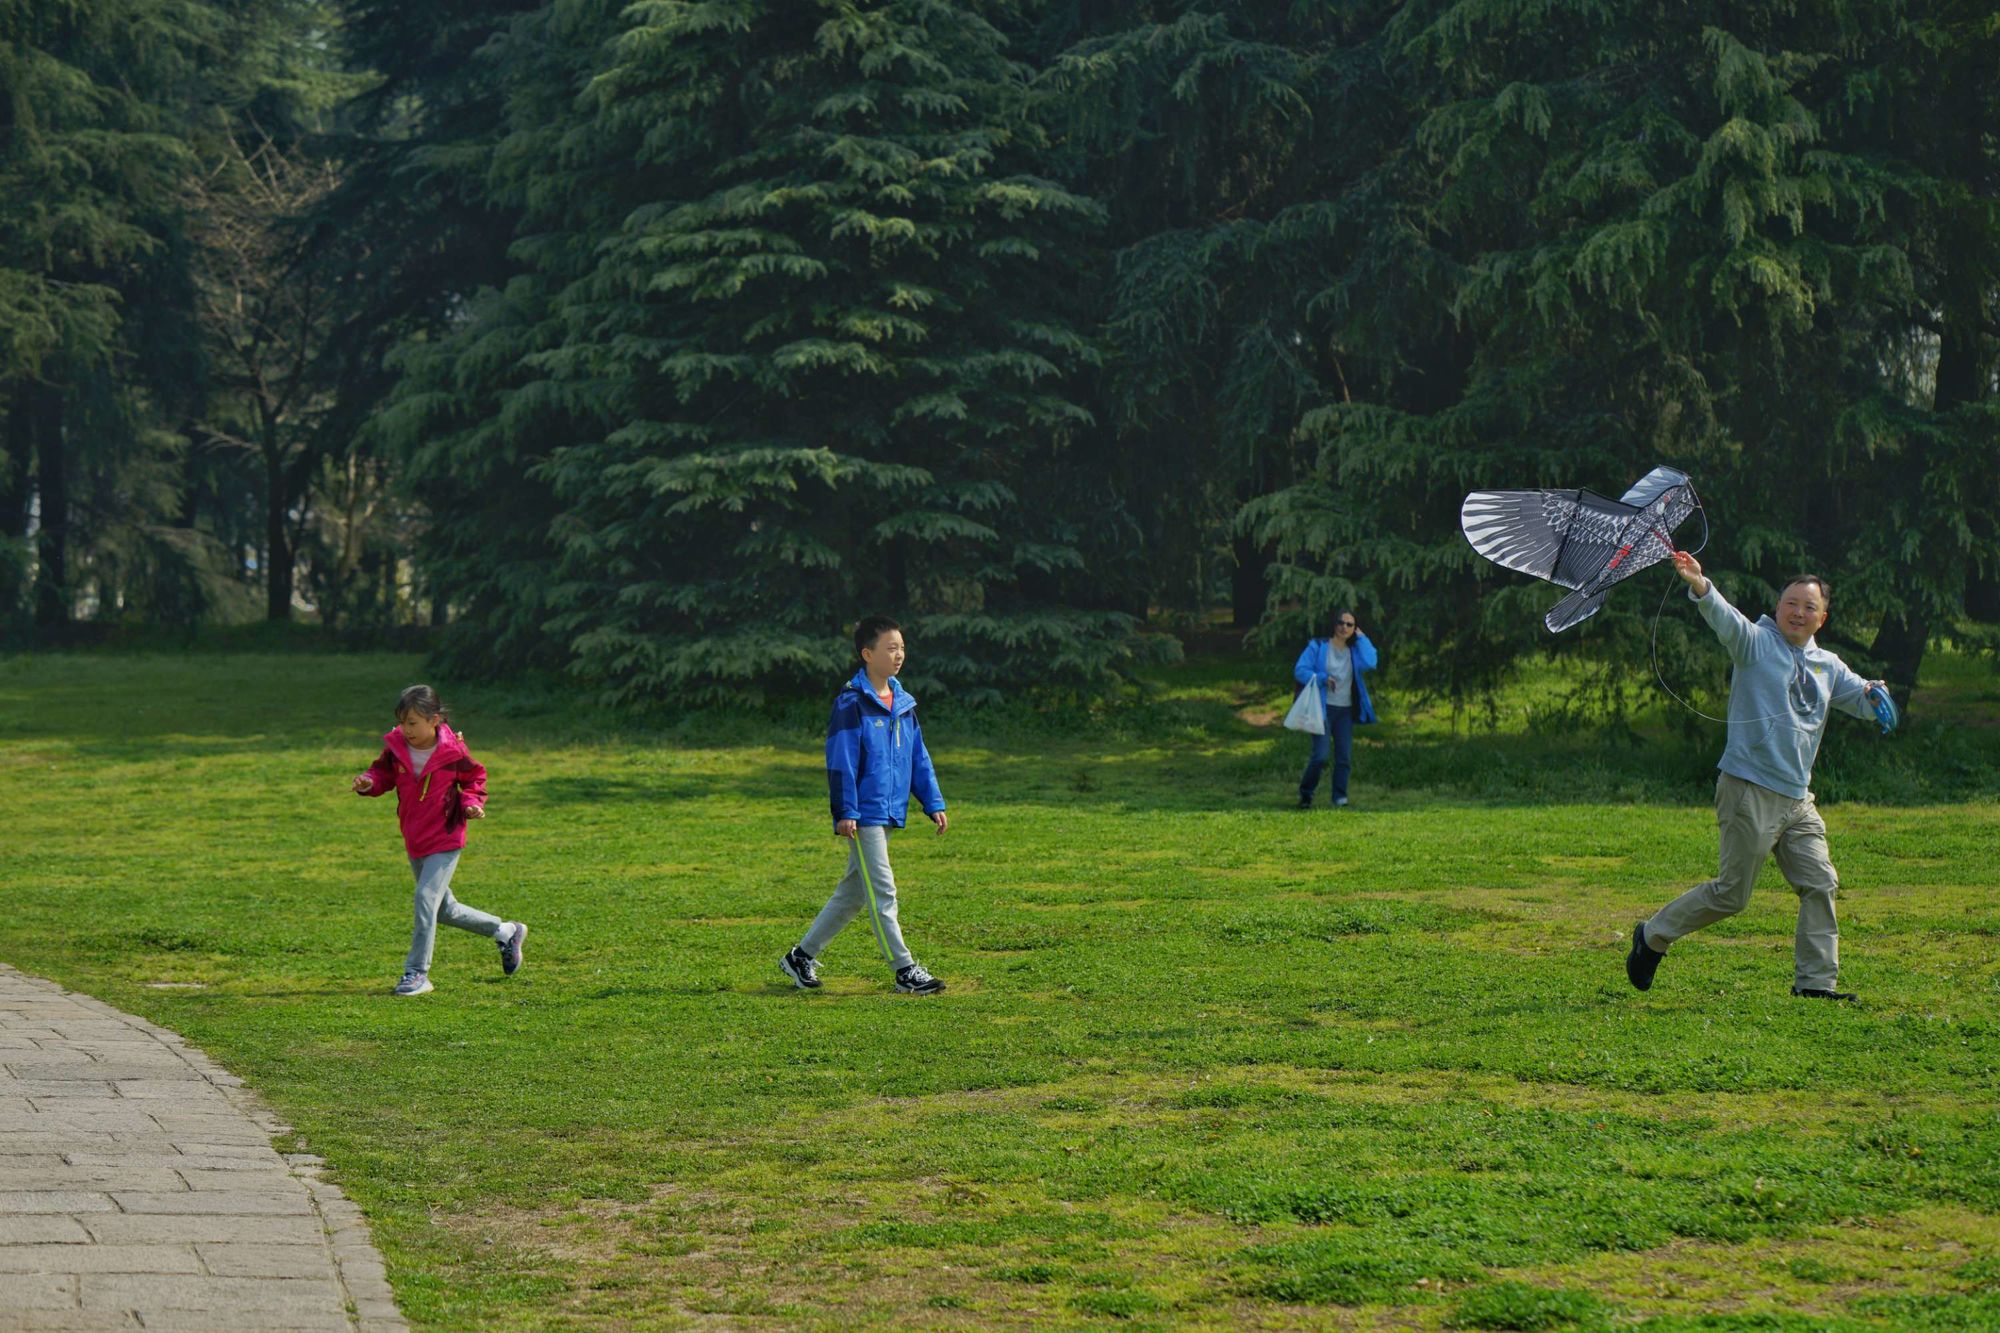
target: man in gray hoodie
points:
(1785, 686)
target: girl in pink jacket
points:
(439, 789)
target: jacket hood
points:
(905, 701)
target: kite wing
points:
(1565, 537)
(1655, 484)
(1578, 539)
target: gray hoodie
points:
(1780, 698)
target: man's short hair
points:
(1825, 592)
(870, 629)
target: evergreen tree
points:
(415, 231)
(1653, 240)
(91, 153)
(1918, 433)
(116, 108)
(1213, 136)
(794, 341)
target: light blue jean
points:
(435, 904)
(850, 898)
(1339, 739)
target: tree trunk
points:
(16, 484)
(16, 490)
(1900, 646)
(1982, 597)
(52, 592)
(1248, 586)
(279, 557)
(1962, 373)
(190, 513)
(896, 567)
(1965, 364)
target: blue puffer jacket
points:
(1312, 666)
(875, 757)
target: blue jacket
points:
(1312, 667)
(875, 757)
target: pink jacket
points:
(431, 807)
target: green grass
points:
(1204, 1061)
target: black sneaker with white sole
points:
(801, 968)
(914, 980)
(1642, 961)
(1812, 994)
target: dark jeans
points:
(1339, 739)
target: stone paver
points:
(139, 1188)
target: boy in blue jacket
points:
(875, 759)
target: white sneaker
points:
(414, 983)
(510, 948)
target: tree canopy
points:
(655, 342)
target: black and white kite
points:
(1579, 539)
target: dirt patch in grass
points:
(1120, 1098)
(842, 1258)
(1820, 1274)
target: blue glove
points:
(1885, 708)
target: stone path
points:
(139, 1188)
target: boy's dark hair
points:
(1825, 593)
(870, 629)
(423, 701)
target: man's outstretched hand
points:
(1689, 569)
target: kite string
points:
(1659, 675)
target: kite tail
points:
(1579, 606)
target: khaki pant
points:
(1753, 823)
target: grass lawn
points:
(1204, 1061)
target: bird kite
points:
(1579, 539)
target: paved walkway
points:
(139, 1188)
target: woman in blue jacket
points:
(1340, 664)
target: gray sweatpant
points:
(850, 898)
(435, 904)
(1753, 823)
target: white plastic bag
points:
(1308, 713)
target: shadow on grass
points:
(1190, 752)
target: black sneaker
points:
(510, 952)
(801, 968)
(1643, 961)
(917, 981)
(1826, 994)
(1305, 803)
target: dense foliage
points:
(656, 341)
